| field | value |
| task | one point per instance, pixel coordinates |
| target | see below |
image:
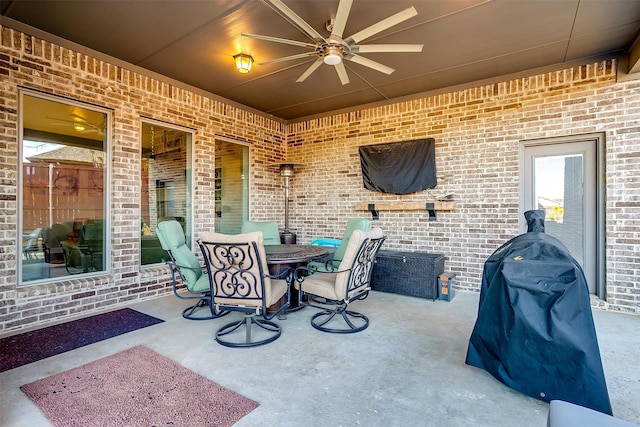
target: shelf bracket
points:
(431, 208)
(375, 215)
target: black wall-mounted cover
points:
(399, 167)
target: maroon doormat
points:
(136, 387)
(32, 346)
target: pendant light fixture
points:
(243, 62)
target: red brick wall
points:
(477, 132)
(32, 63)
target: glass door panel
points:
(559, 191)
(561, 179)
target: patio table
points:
(293, 256)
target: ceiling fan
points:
(79, 123)
(334, 49)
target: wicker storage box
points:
(407, 273)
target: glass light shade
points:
(333, 56)
(243, 62)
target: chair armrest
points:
(286, 273)
(328, 265)
(173, 264)
(301, 272)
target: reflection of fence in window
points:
(55, 193)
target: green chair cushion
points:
(352, 225)
(269, 229)
(172, 239)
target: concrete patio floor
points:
(406, 369)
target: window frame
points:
(247, 179)
(107, 144)
(190, 185)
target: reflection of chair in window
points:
(32, 244)
(52, 238)
(92, 239)
(85, 254)
(74, 260)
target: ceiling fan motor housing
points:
(332, 55)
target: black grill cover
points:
(534, 330)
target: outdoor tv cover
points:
(399, 167)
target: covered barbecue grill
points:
(534, 330)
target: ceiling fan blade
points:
(279, 40)
(382, 25)
(386, 48)
(371, 64)
(342, 73)
(288, 58)
(344, 7)
(81, 121)
(297, 20)
(310, 70)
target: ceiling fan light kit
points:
(334, 49)
(332, 55)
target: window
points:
(166, 186)
(63, 217)
(231, 186)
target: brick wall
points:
(35, 64)
(477, 132)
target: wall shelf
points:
(430, 207)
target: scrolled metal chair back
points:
(360, 273)
(236, 270)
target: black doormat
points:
(29, 347)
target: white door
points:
(561, 178)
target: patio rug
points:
(18, 350)
(136, 387)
